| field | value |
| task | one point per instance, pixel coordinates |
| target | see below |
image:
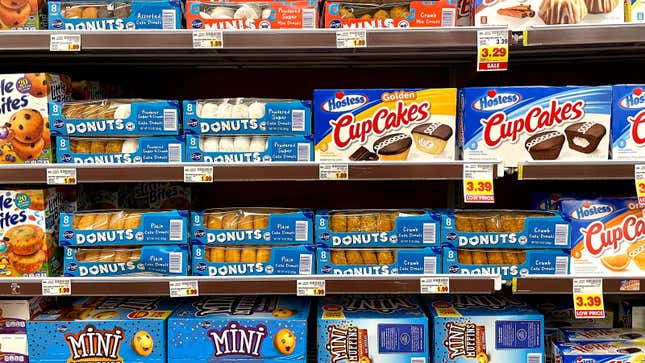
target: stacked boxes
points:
(231, 15)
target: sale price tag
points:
(478, 183)
(61, 176)
(435, 285)
(198, 174)
(56, 287)
(310, 288)
(333, 171)
(65, 42)
(587, 298)
(639, 178)
(186, 288)
(355, 38)
(208, 39)
(492, 50)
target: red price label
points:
(479, 186)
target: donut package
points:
(377, 228)
(270, 226)
(247, 116)
(521, 124)
(248, 148)
(114, 15)
(369, 14)
(252, 260)
(385, 124)
(114, 117)
(123, 227)
(119, 150)
(232, 14)
(628, 122)
(239, 328)
(378, 261)
(23, 15)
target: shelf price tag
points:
(587, 298)
(208, 39)
(65, 42)
(57, 287)
(310, 288)
(435, 285)
(189, 288)
(61, 176)
(639, 178)
(478, 183)
(333, 171)
(492, 50)
(355, 38)
(198, 174)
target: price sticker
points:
(198, 174)
(310, 288)
(57, 287)
(65, 42)
(587, 298)
(492, 50)
(478, 183)
(188, 288)
(356, 38)
(639, 178)
(435, 285)
(61, 176)
(333, 171)
(208, 39)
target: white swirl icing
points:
(541, 138)
(389, 141)
(585, 127)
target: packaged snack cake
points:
(22, 15)
(519, 124)
(378, 261)
(354, 14)
(232, 14)
(602, 335)
(121, 150)
(598, 352)
(248, 149)
(239, 329)
(385, 124)
(374, 328)
(628, 123)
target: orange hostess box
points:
(361, 14)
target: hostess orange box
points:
(390, 14)
(232, 14)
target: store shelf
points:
(572, 35)
(564, 284)
(587, 170)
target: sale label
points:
(492, 50)
(310, 288)
(639, 178)
(478, 183)
(587, 298)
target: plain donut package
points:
(248, 149)
(119, 150)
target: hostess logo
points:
(592, 211)
(635, 99)
(493, 101)
(343, 103)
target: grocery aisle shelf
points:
(584, 170)
(577, 35)
(544, 284)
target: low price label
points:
(198, 174)
(639, 177)
(208, 39)
(310, 288)
(587, 298)
(333, 171)
(61, 176)
(492, 50)
(478, 183)
(65, 43)
(57, 287)
(184, 288)
(435, 285)
(356, 38)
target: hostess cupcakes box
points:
(380, 261)
(248, 149)
(239, 329)
(520, 124)
(385, 124)
(400, 14)
(121, 150)
(628, 123)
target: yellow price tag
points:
(587, 298)
(478, 183)
(492, 50)
(639, 178)
(479, 187)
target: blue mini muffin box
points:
(598, 352)
(131, 117)
(408, 261)
(239, 329)
(277, 148)
(375, 328)
(150, 149)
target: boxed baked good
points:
(374, 328)
(519, 124)
(232, 14)
(628, 122)
(601, 335)
(485, 328)
(95, 197)
(385, 124)
(601, 352)
(24, 117)
(123, 227)
(148, 260)
(248, 149)
(369, 14)
(252, 226)
(247, 116)
(378, 261)
(504, 229)
(23, 15)
(377, 228)
(508, 263)
(249, 260)
(239, 329)
(155, 196)
(14, 347)
(15, 313)
(559, 315)
(634, 11)
(114, 15)
(631, 313)
(114, 117)
(122, 150)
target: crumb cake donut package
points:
(119, 150)
(354, 14)
(248, 148)
(378, 261)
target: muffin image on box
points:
(585, 136)
(393, 147)
(545, 145)
(432, 137)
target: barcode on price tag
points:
(310, 288)
(57, 287)
(356, 38)
(198, 174)
(435, 285)
(208, 39)
(587, 298)
(639, 178)
(65, 42)
(61, 176)
(492, 50)
(478, 183)
(186, 288)
(333, 171)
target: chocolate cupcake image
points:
(393, 147)
(431, 137)
(584, 137)
(630, 350)
(630, 336)
(545, 145)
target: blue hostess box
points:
(598, 352)
(628, 122)
(151, 149)
(485, 328)
(504, 229)
(122, 15)
(383, 261)
(248, 149)
(114, 117)
(239, 329)
(252, 226)
(602, 335)
(108, 228)
(377, 228)
(252, 260)
(374, 328)
(247, 116)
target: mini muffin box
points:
(124, 150)
(381, 261)
(232, 226)
(14, 348)
(239, 328)
(576, 335)
(119, 227)
(504, 229)
(248, 149)
(114, 117)
(149, 260)
(232, 15)
(377, 228)
(252, 260)
(372, 328)
(385, 124)
(598, 352)
(114, 15)
(355, 14)
(628, 123)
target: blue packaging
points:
(602, 335)
(239, 329)
(374, 328)
(247, 116)
(408, 261)
(377, 228)
(110, 228)
(252, 226)
(151, 149)
(627, 122)
(118, 118)
(125, 15)
(247, 149)
(252, 260)
(149, 260)
(598, 352)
